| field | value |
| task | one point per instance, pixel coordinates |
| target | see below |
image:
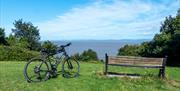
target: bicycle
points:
(44, 67)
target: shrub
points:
(49, 47)
(131, 50)
(87, 55)
(13, 53)
(77, 56)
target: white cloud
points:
(118, 19)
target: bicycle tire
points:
(45, 69)
(65, 68)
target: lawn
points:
(90, 79)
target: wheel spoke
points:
(43, 70)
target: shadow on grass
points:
(131, 75)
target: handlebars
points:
(62, 47)
(68, 44)
(59, 49)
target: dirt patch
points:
(174, 83)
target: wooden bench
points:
(130, 61)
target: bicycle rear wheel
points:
(70, 68)
(36, 70)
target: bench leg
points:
(162, 73)
(106, 64)
(106, 68)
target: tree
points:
(26, 32)
(166, 43)
(170, 39)
(2, 37)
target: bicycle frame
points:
(58, 60)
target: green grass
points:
(90, 79)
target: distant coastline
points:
(125, 40)
(100, 46)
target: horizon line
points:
(94, 39)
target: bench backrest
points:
(135, 61)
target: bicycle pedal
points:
(48, 75)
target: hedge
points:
(14, 53)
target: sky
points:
(89, 19)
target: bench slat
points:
(135, 66)
(136, 61)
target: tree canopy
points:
(2, 36)
(27, 33)
(167, 42)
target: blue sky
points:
(89, 19)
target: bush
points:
(13, 53)
(49, 47)
(131, 50)
(77, 56)
(87, 55)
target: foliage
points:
(130, 50)
(87, 55)
(13, 53)
(12, 41)
(49, 47)
(2, 36)
(15, 48)
(77, 56)
(27, 34)
(167, 42)
(23, 39)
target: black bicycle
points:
(45, 66)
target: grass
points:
(90, 79)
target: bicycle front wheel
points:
(36, 70)
(70, 68)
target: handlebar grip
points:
(68, 44)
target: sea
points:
(101, 47)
